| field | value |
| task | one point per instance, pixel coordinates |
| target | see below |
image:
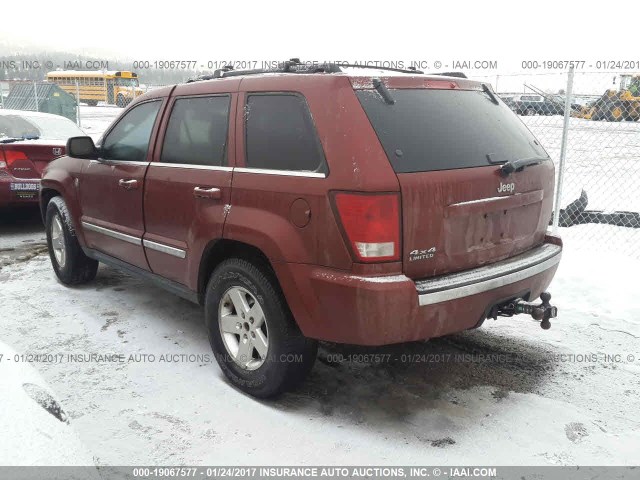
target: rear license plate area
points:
(25, 189)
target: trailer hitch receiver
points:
(543, 312)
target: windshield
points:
(127, 82)
(55, 128)
(428, 129)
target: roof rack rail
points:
(451, 74)
(294, 65)
(374, 67)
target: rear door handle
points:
(129, 184)
(202, 192)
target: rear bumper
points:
(10, 198)
(339, 307)
(483, 279)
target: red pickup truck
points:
(305, 204)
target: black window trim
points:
(225, 159)
(324, 165)
(108, 132)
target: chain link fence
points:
(68, 100)
(588, 123)
(596, 116)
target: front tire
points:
(71, 265)
(121, 101)
(252, 332)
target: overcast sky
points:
(332, 29)
(326, 30)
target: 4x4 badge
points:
(507, 187)
(57, 151)
(422, 254)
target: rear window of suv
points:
(428, 129)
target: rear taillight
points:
(371, 223)
(14, 155)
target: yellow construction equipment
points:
(615, 105)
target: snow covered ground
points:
(603, 159)
(508, 393)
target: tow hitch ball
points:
(542, 312)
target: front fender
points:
(59, 178)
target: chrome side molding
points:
(112, 233)
(286, 173)
(160, 247)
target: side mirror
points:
(81, 147)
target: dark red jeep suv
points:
(303, 204)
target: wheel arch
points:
(57, 183)
(218, 250)
(46, 194)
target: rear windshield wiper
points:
(17, 139)
(382, 89)
(490, 93)
(518, 165)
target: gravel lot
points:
(501, 394)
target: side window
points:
(280, 134)
(129, 139)
(197, 131)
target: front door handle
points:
(129, 184)
(202, 192)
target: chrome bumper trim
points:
(479, 280)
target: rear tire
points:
(71, 265)
(278, 357)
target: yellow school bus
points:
(111, 87)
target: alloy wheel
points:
(57, 241)
(243, 327)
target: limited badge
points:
(422, 254)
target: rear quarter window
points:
(281, 135)
(429, 130)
